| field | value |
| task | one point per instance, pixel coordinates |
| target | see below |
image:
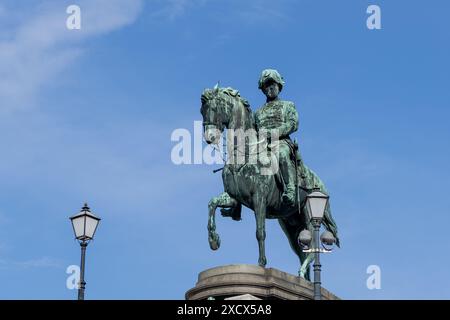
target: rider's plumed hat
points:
(270, 74)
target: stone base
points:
(243, 297)
(243, 279)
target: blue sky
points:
(87, 115)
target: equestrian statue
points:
(264, 170)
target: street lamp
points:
(84, 226)
(316, 203)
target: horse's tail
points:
(330, 224)
(313, 181)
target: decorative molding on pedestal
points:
(253, 281)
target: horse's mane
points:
(209, 94)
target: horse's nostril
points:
(210, 136)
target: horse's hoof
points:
(214, 241)
(262, 262)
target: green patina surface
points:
(281, 195)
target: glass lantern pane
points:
(91, 225)
(317, 203)
(78, 226)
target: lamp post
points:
(316, 203)
(84, 226)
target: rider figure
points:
(282, 116)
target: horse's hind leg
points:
(260, 214)
(304, 271)
(223, 200)
(292, 232)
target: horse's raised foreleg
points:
(223, 200)
(304, 269)
(260, 215)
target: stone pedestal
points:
(251, 280)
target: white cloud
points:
(39, 46)
(43, 262)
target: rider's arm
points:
(290, 124)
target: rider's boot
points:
(288, 173)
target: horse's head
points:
(217, 111)
(214, 114)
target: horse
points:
(245, 184)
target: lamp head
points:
(84, 224)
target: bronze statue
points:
(279, 115)
(281, 195)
